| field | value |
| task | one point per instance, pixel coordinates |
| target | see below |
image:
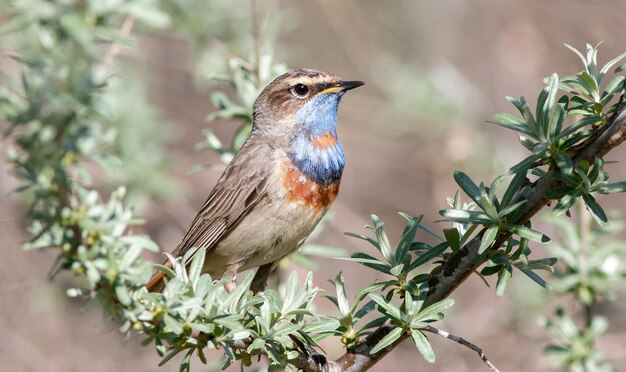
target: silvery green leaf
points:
(536, 278)
(408, 235)
(611, 89)
(196, 266)
(611, 187)
(241, 288)
(564, 161)
(550, 103)
(396, 270)
(530, 120)
(369, 261)
(383, 241)
(391, 337)
(123, 295)
(257, 344)
(526, 142)
(432, 311)
(556, 121)
(465, 216)
(342, 299)
(435, 251)
(371, 288)
(291, 290)
(229, 322)
(511, 208)
(503, 280)
(374, 323)
(528, 233)
(565, 203)
(130, 256)
(274, 356)
(583, 122)
(172, 325)
(595, 209)
(590, 84)
(364, 310)
(512, 122)
(453, 238)
(322, 326)
(610, 64)
(388, 308)
(488, 238)
(363, 237)
(169, 356)
(467, 185)
(430, 232)
(423, 345)
(523, 165)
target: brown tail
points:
(156, 283)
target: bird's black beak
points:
(342, 86)
(347, 85)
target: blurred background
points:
(435, 73)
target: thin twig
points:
(464, 342)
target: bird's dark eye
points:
(300, 90)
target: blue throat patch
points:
(322, 163)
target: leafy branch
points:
(501, 219)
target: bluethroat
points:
(278, 186)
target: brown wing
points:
(241, 186)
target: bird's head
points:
(302, 100)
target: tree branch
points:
(452, 273)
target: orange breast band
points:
(324, 141)
(307, 192)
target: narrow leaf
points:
(513, 188)
(429, 314)
(465, 216)
(511, 122)
(612, 187)
(535, 278)
(550, 103)
(342, 299)
(383, 241)
(488, 238)
(423, 346)
(388, 308)
(408, 235)
(196, 265)
(503, 280)
(467, 185)
(453, 238)
(435, 251)
(596, 210)
(564, 161)
(528, 233)
(388, 340)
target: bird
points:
(278, 186)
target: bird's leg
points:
(231, 271)
(260, 278)
(229, 286)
